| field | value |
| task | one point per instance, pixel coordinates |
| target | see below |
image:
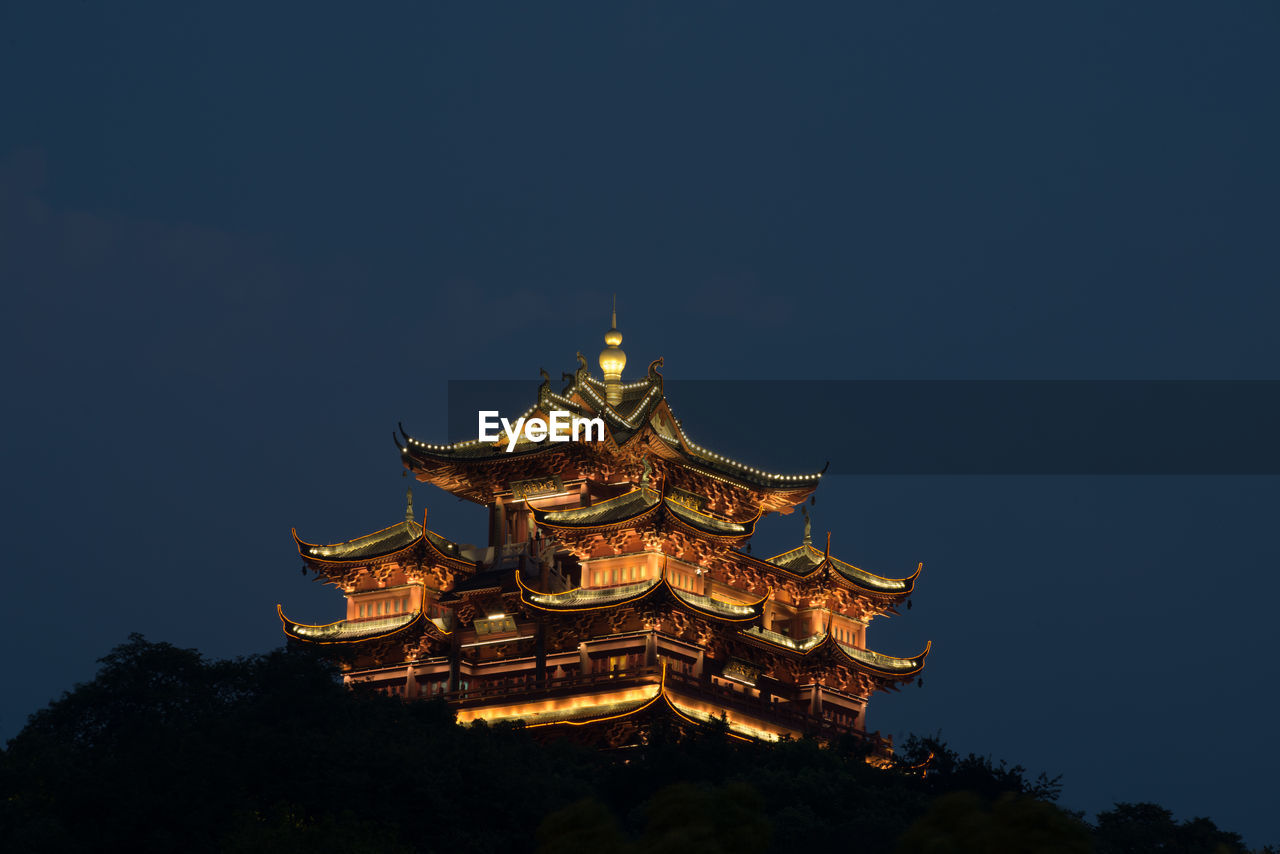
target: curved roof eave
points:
(877, 584)
(705, 523)
(586, 598)
(598, 515)
(885, 665)
(718, 609)
(378, 628)
(317, 552)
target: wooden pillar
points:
(540, 651)
(497, 525)
(544, 565)
(455, 656)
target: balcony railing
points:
(773, 708)
(496, 687)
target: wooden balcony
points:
(791, 715)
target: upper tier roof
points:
(642, 411)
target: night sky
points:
(238, 244)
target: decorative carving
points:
(688, 499)
(534, 487)
(655, 378)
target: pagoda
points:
(617, 585)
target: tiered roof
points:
(668, 511)
(640, 424)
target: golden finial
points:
(613, 360)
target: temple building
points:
(617, 585)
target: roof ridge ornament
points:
(655, 378)
(808, 526)
(408, 510)
(613, 360)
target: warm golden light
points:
(567, 706)
(626, 575)
(613, 360)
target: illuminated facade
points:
(617, 585)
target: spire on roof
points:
(408, 510)
(613, 360)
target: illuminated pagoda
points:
(617, 585)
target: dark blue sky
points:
(238, 244)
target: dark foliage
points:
(167, 751)
(966, 823)
(1151, 828)
(949, 772)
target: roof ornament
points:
(655, 378)
(808, 526)
(544, 390)
(581, 373)
(408, 510)
(613, 360)
(648, 473)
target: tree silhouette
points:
(165, 750)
